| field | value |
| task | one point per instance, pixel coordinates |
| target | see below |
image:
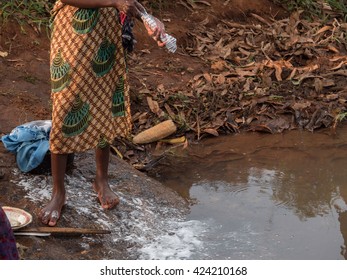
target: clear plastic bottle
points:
(170, 42)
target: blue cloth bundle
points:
(30, 143)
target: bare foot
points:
(50, 214)
(108, 199)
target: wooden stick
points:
(58, 230)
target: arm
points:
(90, 3)
(130, 7)
(127, 6)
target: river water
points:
(259, 196)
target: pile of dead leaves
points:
(270, 76)
(267, 76)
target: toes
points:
(45, 215)
(109, 204)
(54, 218)
(52, 222)
(49, 217)
(107, 198)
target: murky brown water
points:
(263, 196)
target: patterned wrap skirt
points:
(89, 89)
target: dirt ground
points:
(269, 82)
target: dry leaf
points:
(333, 49)
(208, 77)
(220, 79)
(318, 85)
(153, 105)
(3, 54)
(323, 29)
(300, 106)
(211, 131)
(160, 88)
(202, 2)
(143, 118)
(219, 65)
(333, 96)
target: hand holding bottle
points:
(156, 30)
(157, 33)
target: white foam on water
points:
(180, 241)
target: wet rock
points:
(145, 209)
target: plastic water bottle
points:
(170, 42)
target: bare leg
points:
(107, 197)
(50, 214)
